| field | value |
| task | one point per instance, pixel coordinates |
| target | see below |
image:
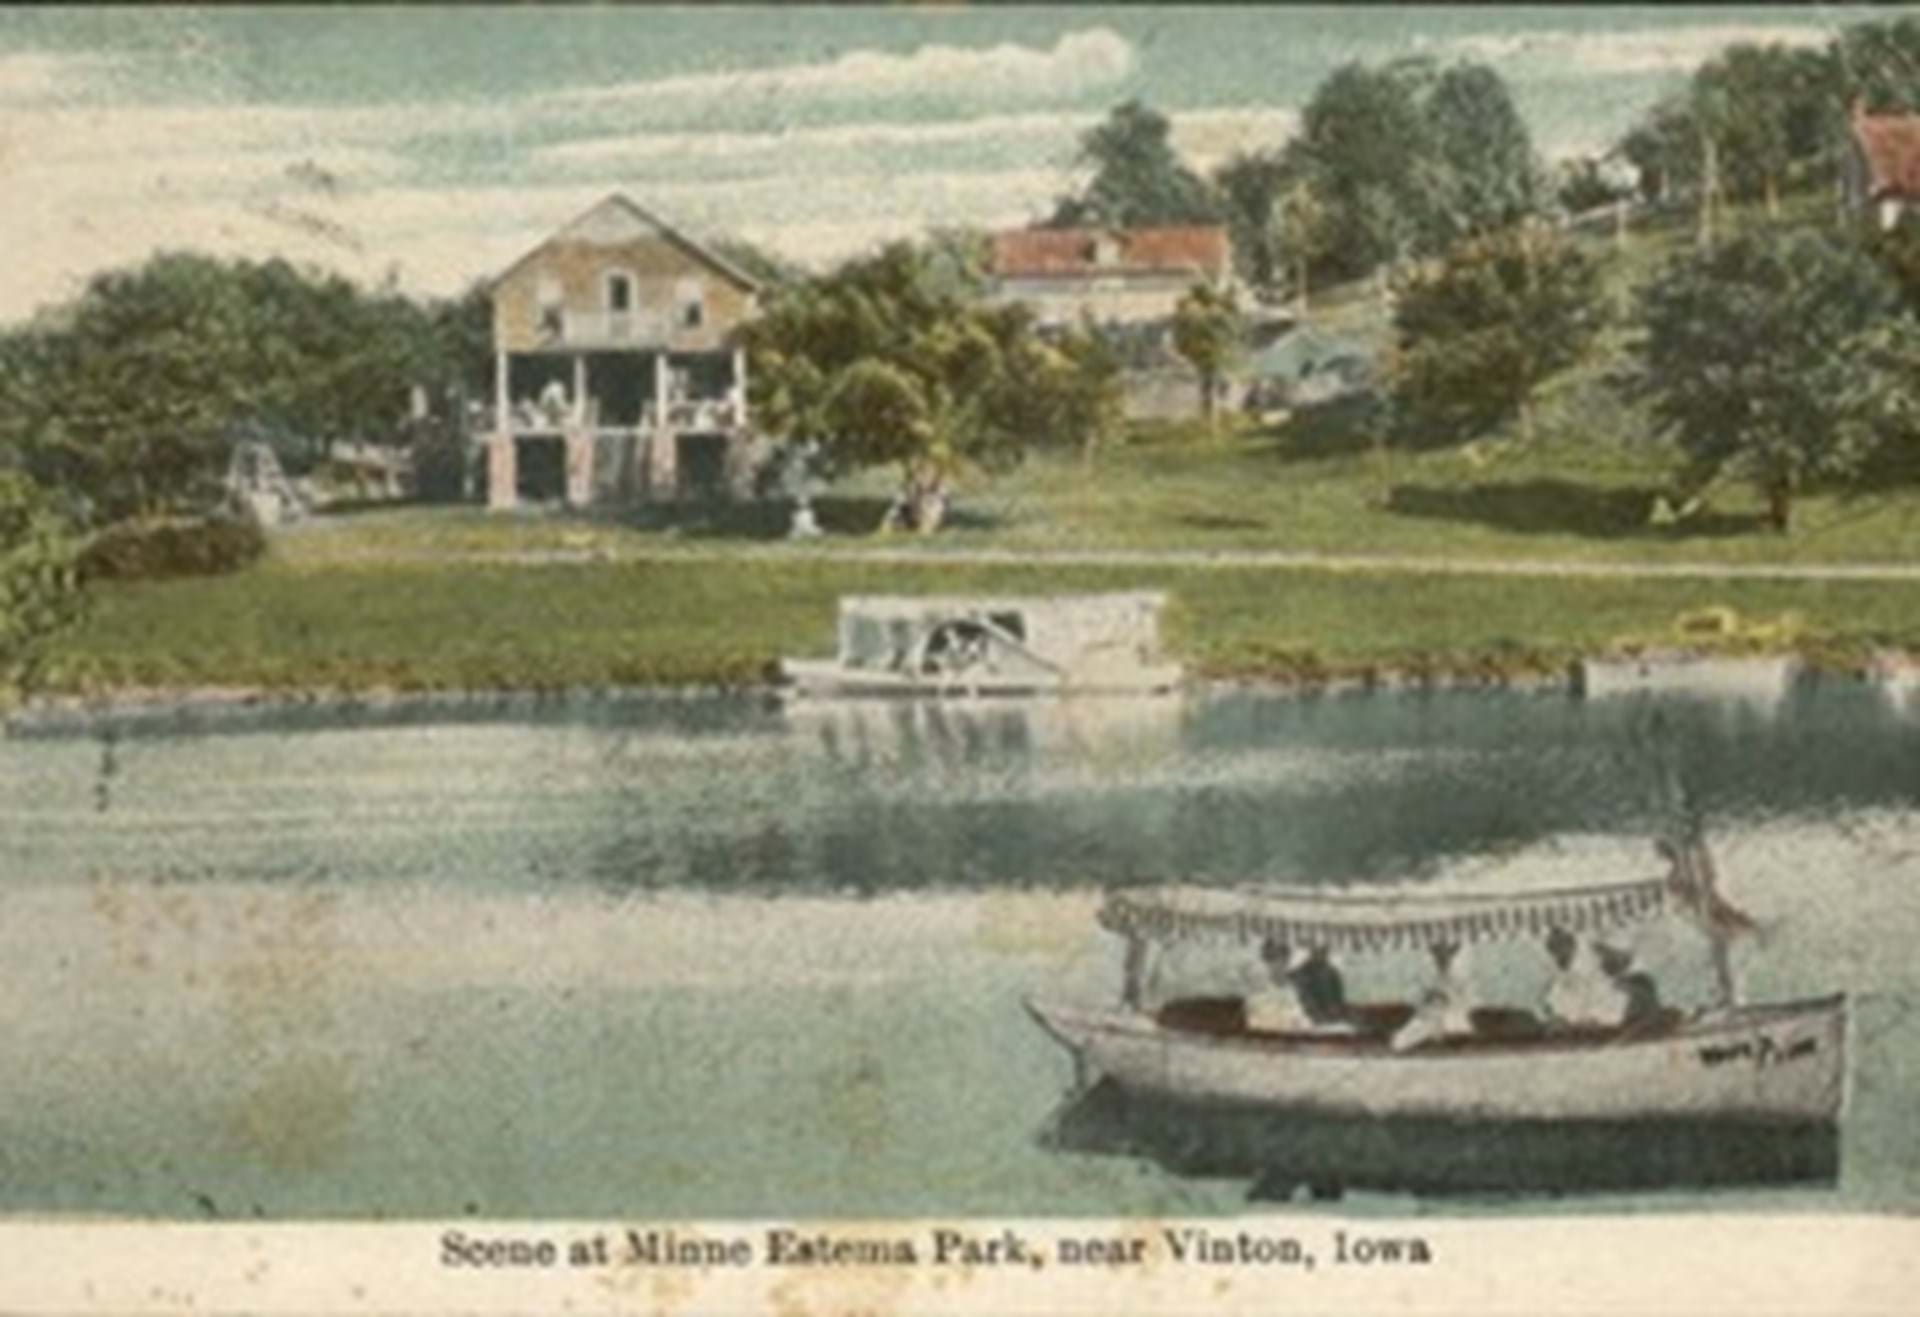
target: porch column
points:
(502, 419)
(740, 387)
(579, 390)
(660, 454)
(579, 449)
(502, 471)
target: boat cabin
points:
(994, 644)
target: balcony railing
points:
(615, 327)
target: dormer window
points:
(619, 292)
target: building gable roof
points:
(1890, 145)
(1198, 250)
(617, 218)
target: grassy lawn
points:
(1311, 487)
(469, 625)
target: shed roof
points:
(1192, 249)
(1302, 351)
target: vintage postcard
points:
(903, 659)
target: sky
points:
(434, 146)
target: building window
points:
(550, 299)
(619, 292)
(690, 297)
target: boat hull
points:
(825, 678)
(1776, 1062)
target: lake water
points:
(712, 957)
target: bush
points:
(39, 590)
(154, 550)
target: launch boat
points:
(976, 645)
(1781, 1061)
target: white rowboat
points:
(1785, 1062)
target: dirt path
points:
(1189, 558)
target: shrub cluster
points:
(153, 550)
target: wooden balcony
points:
(615, 329)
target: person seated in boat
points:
(1321, 990)
(1580, 995)
(1445, 1009)
(1273, 1006)
(1638, 997)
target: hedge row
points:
(152, 550)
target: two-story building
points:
(1112, 276)
(618, 374)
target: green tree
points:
(1753, 121)
(40, 592)
(1250, 185)
(886, 363)
(1664, 146)
(1879, 62)
(1482, 173)
(1208, 331)
(1409, 157)
(1302, 234)
(130, 404)
(133, 397)
(1138, 179)
(1480, 331)
(1784, 358)
(1360, 142)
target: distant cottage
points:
(1882, 170)
(618, 374)
(1114, 276)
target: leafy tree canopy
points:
(39, 581)
(1208, 330)
(1781, 357)
(1138, 179)
(885, 362)
(132, 398)
(1879, 62)
(1408, 157)
(1478, 332)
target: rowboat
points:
(1782, 1061)
(978, 645)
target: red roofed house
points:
(618, 372)
(1125, 276)
(1883, 169)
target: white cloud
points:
(1648, 51)
(1077, 62)
(1207, 138)
(1056, 128)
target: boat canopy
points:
(1344, 921)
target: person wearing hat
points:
(1445, 1009)
(1639, 1004)
(1580, 995)
(1322, 992)
(1274, 1006)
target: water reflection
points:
(736, 793)
(1283, 1155)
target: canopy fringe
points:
(1351, 923)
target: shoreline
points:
(190, 707)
